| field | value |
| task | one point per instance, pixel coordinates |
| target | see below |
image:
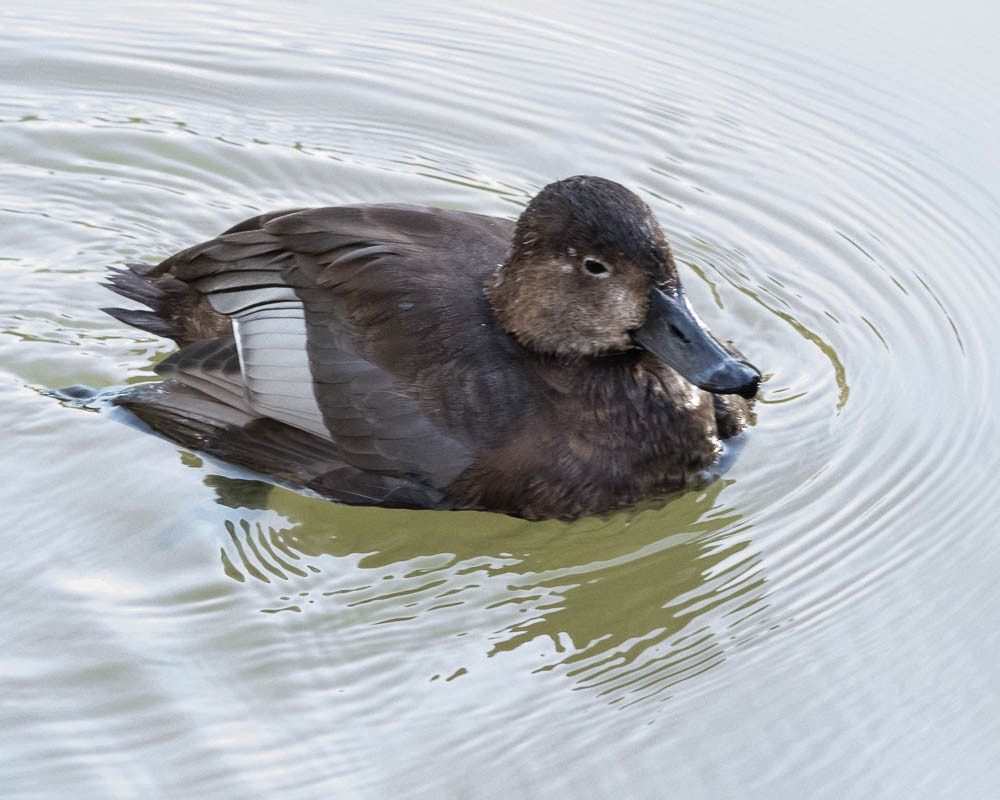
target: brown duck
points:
(407, 356)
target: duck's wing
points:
(322, 341)
(201, 421)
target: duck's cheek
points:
(620, 314)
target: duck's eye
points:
(594, 267)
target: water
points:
(819, 623)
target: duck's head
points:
(590, 273)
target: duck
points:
(406, 356)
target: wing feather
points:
(320, 342)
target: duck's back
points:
(347, 349)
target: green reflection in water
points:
(626, 605)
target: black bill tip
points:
(731, 377)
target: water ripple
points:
(822, 220)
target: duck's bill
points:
(675, 335)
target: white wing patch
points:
(236, 302)
(270, 330)
(271, 342)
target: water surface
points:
(819, 623)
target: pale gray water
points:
(820, 623)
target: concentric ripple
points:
(830, 195)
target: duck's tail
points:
(175, 310)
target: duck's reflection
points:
(626, 606)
